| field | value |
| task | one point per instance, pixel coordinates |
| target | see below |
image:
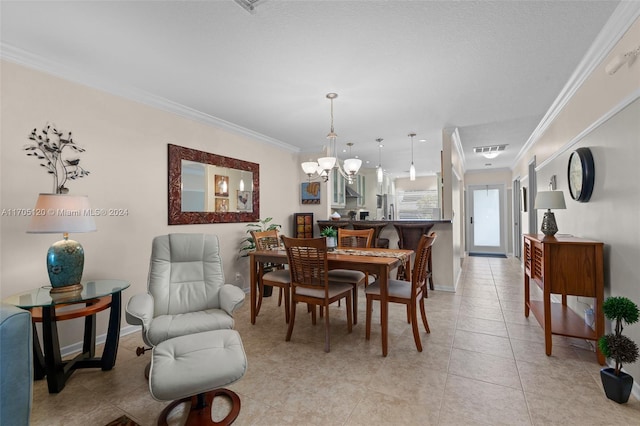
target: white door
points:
(486, 233)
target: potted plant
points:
(249, 244)
(617, 384)
(331, 234)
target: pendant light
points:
(412, 169)
(379, 171)
(351, 165)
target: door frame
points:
(517, 218)
(502, 249)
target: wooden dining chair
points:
(352, 238)
(408, 293)
(270, 274)
(310, 282)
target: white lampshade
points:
(61, 213)
(379, 174)
(352, 165)
(309, 167)
(412, 172)
(327, 163)
(550, 200)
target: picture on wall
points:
(524, 198)
(310, 192)
(222, 186)
(245, 201)
(222, 205)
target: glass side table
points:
(96, 296)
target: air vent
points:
(489, 149)
(250, 5)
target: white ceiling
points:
(492, 69)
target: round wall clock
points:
(581, 174)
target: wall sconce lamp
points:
(619, 60)
(549, 200)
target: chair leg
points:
(408, 315)
(280, 297)
(414, 325)
(287, 303)
(355, 303)
(260, 291)
(368, 318)
(292, 319)
(424, 315)
(350, 313)
(327, 334)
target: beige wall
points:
(126, 153)
(604, 116)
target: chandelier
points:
(324, 165)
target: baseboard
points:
(77, 347)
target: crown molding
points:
(628, 100)
(617, 25)
(457, 143)
(30, 60)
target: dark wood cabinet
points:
(564, 266)
(303, 225)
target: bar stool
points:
(377, 228)
(408, 238)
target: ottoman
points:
(194, 368)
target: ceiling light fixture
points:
(379, 171)
(412, 169)
(324, 165)
(489, 151)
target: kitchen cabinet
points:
(361, 189)
(338, 200)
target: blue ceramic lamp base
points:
(65, 262)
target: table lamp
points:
(549, 200)
(66, 214)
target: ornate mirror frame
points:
(179, 217)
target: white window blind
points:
(418, 205)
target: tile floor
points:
(483, 364)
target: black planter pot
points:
(617, 388)
(267, 291)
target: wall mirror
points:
(210, 188)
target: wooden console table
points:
(567, 266)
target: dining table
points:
(377, 261)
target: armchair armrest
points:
(139, 310)
(231, 298)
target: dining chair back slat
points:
(355, 237)
(270, 274)
(308, 266)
